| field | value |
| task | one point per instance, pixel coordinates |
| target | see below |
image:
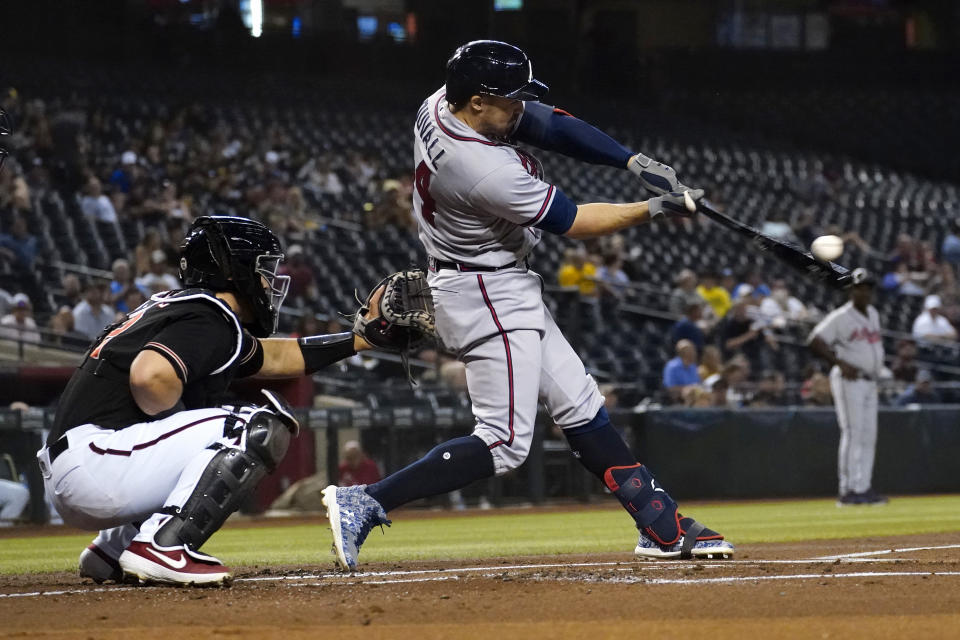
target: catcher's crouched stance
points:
(142, 448)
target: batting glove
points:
(656, 177)
(676, 204)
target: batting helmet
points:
(227, 253)
(494, 68)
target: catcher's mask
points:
(6, 129)
(227, 253)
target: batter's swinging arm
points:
(830, 273)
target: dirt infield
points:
(876, 587)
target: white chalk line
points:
(866, 554)
(627, 565)
(423, 575)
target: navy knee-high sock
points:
(451, 465)
(599, 446)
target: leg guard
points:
(228, 480)
(651, 507)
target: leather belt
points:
(436, 265)
(58, 447)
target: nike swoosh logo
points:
(176, 564)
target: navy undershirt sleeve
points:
(559, 217)
(555, 130)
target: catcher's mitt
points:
(404, 317)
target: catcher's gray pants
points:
(515, 356)
(856, 405)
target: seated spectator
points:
(931, 324)
(91, 315)
(714, 294)
(62, 332)
(904, 365)
(579, 271)
(733, 375)
(173, 206)
(921, 392)
(19, 246)
(303, 286)
(904, 282)
(681, 372)
(72, 292)
(122, 281)
(393, 209)
(684, 292)
(6, 302)
(686, 327)
(950, 249)
(356, 468)
(739, 333)
(452, 373)
(908, 251)
(780, 308)
(94, 204)
(815, 391)
(133, 297)
(144, 251)
(611, 278)
(752, 285)
(771, 391)
(159, 277)
(19, 323)
(710, 361)
(14, 496)
(719, 392)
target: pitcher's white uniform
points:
(477, 200)
(855, 338)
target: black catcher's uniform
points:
(196, 332)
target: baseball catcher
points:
(142, 447)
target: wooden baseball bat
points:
(829, 273)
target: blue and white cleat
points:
(696, 542)
(352, 513)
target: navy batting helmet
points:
(494, 68)
(227, 253)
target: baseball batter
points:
(483, 205)
(849, 339)
(141, 448)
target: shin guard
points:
(654, 511)
(225, 484)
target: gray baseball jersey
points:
(478, 198)
(854, 337)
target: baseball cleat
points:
(152, 564)
(868, 497)
(352, 513)
(98, 566)
(648, 549)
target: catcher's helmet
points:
(227, 253)
(494, 68)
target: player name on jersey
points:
(425, 131)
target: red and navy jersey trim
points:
(436, 117)
(506, 346)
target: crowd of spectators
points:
(178, 162)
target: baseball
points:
(827, 247)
